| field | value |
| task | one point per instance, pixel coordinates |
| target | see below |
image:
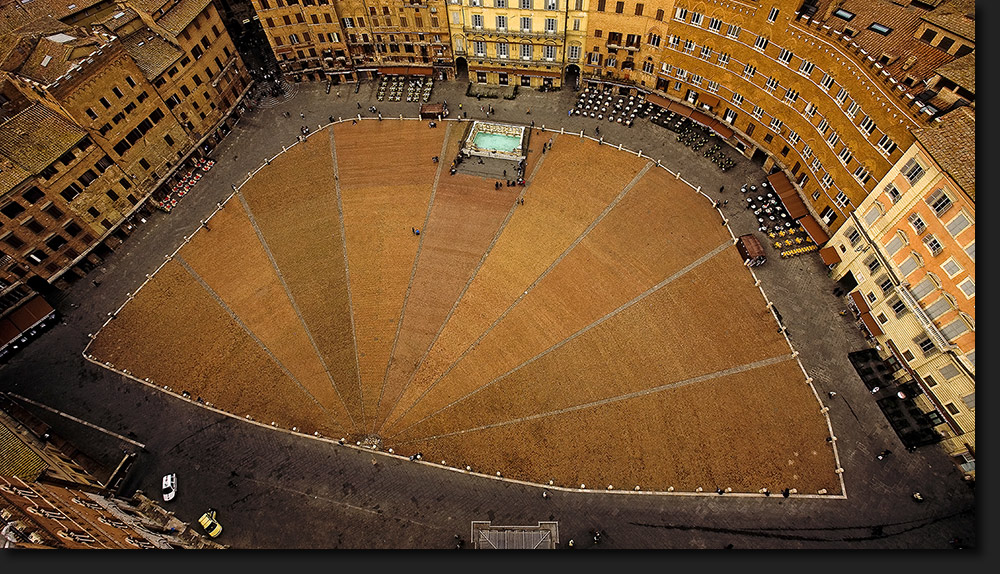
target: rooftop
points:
(961, 71)
(952, 145)
(958, 16)
(17, 458)
(181, 14)
(151, 52)
(37, 136)
(11, 174)
(895, 27)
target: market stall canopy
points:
(788, 196)
(871, 324)
(816, 232)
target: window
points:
(714, 24)
(647, 67)
(884, 143)
(939, 202)
(852, 109)
(776, 124)
(828, 215)
(968, 287)
(757, 112)
(526, 51)
(793, 137)
(501, 21)
(844, 155)
(525, 24)
(749, 71)
(873, 214)
(723, 59)
(33, 194)
(527, 5)
(806, 67)
(659, 14)
(772, 15)
(922, 289)
(822, 126)
(68, 194)
(785, 56)
(680, 14)
(733, 31)
(730, 116)
(841, 200)
(574, 52)
(479, 48)
(713, 87)
(737, 99)
(706, 52)
(908, 265)
(933, 245)
(696, 18)
(760, 44)
(917, 223)
(880, 28)
(862, 174)
(600, 5)
(549, 52)
(826, 181)
(688, 46)
(951, 268)
(551, 4)
(894, 245)
(826, 82)
(654, 40)
(892, 193)
(771, 84)
(619, 7)
(955, 226)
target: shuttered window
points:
(938, 308)
(908, 266)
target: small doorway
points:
(526, 81)
(572, 76)
(461, 70)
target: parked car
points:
(169, 487)
(208, 522)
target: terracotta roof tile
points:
(116, 20)
(952, 144)
(961, 71)
(181, 14)
(17, 458)
(151, 52)
(954, 16)
(37, 136)
(11, 174)
(899, 43)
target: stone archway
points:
(571, 78)
(461, 69)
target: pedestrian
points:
(505, 173)
(359, 105)
(331, 119)
(465, 115)
(570, 112)
(719, 491)
(545, 494)
(380, 116)
(918, 497)
(883, 454)
(721, 189)
(725, 202)
(532, 122)
(832, 394)
(829, 439)
(354, 122)
(416, 231)
(875, 390)
(460, 105)
(413, 230)
(786, 492)
(597, 130)
(529, 113)
(571, 543)
(96, 283)
(302, 115)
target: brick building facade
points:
(102, 103)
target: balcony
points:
(511, 33)
(517, 61)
